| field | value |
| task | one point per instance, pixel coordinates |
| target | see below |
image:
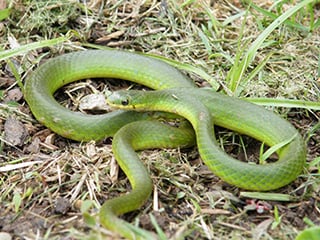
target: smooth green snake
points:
(175, 93)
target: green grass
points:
(235, 76)
(262, 52)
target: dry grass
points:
(56, 182)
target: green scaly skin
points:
(126, 141)
(59, 71)
(213, 108)
(203, 108)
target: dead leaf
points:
(15, 132)
(14, 94)
(261, 229)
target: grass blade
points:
(161, 234)
(253, 73)
(312, 233)
(276, 23)
(268, 196)
(31, 46)
(4, 13)
(274, 149)
(274, 16)
(288, 103)
(251, 53)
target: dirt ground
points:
(52, 187)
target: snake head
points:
(120, 99)
(142, 101)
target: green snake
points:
(134, 129)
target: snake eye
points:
(125, 102)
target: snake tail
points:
(130, 138)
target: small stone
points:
(15, 132)
(62, 206)
(94, 102)
(5, 236)
(14, 95)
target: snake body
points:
(126, 141)
(203, 108)
(59, 71)
(176, 94)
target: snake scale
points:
(134, 129)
